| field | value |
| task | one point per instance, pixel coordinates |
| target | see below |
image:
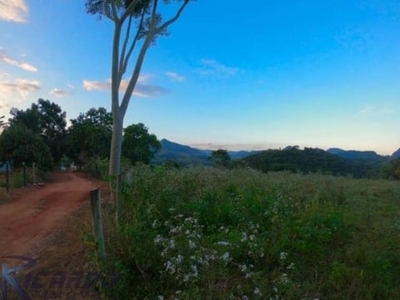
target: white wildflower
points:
(244, 237)
(194, 269)
(243, 268)
(223, 243)
(192, 244)
(257, 292)
(209, 257)
(179, 259)
(226, 256)
(158, 239)
(154, 224)
(283, 255)
(169, 266)
(290, 266)
(175, 229)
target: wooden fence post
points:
(98, 224)
(24, 172)
(7, 176)
(33, 174)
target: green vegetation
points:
(210, 233)
(16, 179)
(313, 160)
(221, 158)
(39, 135)
(138, 144)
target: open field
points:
(207, 233)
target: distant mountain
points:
(396, 154)
(241, 154)
(355, 154)
(186, 155)
(171, 149)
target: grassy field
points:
(206, 233)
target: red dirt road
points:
(36, 211)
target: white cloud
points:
(376, 111)
(3, 104)
(212, 67)
(20, 86)
(175, 76)
(93, 85)
(13, 10)
(59, 93)
(4, 57)
(142, 88)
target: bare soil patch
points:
(46, 223)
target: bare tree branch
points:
(139, 61)
(114, 11)
(126, 60)
(127, 35)
(176, 17)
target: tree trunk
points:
(115, 162)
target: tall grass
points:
(205, 233)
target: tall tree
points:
(137, 24)
(138, 144)
(47, 120)
(19, 144)
(221, 158)
(89, 135)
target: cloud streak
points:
(175, 76)
(21, 86)
(3, 104)
(4, 57)
(13, 11)
(142, 88)
(212, 67)
(59, 93)
(376, 111)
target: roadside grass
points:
(16, 178)
(204, 233)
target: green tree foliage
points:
(312, 160)
(2, 123)
(89, 135)
(221, 158)
(138, 144)
(19, 144)
(47, 120)
(391, 169)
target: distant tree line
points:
(313, 160)
(40, 135)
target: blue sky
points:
(231, 74)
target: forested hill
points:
(185, 155)
(311, 160)
(354, 154)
